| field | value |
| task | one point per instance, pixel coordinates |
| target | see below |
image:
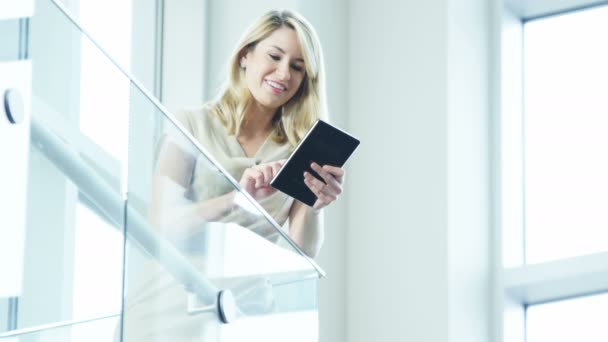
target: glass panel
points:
(9, 36)
(73, 239)
(216, 230)
(579, 319)
(97, 72)
(97, 330)
(98, 257)
(177, 263)
(566, 120)
(115, 39)
(295, 316)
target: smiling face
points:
(274, 68)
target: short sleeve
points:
(184, 118)
(171, 134)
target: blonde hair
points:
(297, 115)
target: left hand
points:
(330, 190)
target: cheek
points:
(258, 74)
(251, 77)
(299, 84)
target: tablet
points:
(323, 144)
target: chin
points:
(269, 102)
(272, 105)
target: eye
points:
(297, 68)
(274, 57)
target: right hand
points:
(256, 179)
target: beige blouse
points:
(207, 182)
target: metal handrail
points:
(118, 211)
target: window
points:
(554, 172)
(580, 319)
(565, 135)
(104, 102)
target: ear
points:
(243, 55)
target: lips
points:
(276, 86)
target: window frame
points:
(520, 285)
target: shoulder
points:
(197, 121)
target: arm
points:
(306, 228)
(305, 223)
(169, 207)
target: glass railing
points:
(100, 329)
(233, 244)
(119, 236)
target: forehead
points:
(285, 39)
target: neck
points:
(257, 120)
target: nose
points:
(283, 72)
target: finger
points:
(248, 174)
(275, 168)
(313, 188)
(332, 175)
(257, 176)
(319, 170)
(322, 198)
(248, 181)
(315, 185)
(334, 185)
(266, 171)
(331, 188)
(326, 199)
(337, 172)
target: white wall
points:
(396, 246)
(417, 247)
(183, 54)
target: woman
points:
(275, 92)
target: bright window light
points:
(104, 100)
(566, 135)
(580, 319)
